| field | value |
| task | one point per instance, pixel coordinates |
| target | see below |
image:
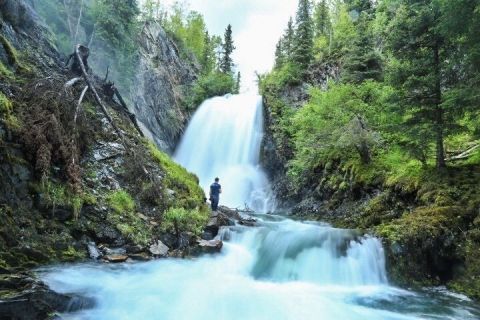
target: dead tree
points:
(81, 52)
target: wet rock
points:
(208, 246)
(186, 239)
(159, 249)
(115, 258)
(140, 257)
(130, 249)
(24, 297)
(157, 91)
(93, 251)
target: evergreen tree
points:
(287, 41)
(226, 64)
(362, 61)
(207, 60)
(303, 41)
(322, 19)
(279, 55)
(420, 51)
(116, 21)
(238, 83)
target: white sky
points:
(257, 25)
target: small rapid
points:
(224, 139)
(281, 269)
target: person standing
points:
(215, 190)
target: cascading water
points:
(223, 139)
(281, 269)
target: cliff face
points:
(67, 186)
(160, 87)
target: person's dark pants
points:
(215, 200)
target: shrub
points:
(182, 220)
(211, 85)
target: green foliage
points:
(60, 195)
(181, 220)
(335, 124)
(125, 219)
(226, 63)
(303, 40)
(188, 193)
(211, 85)
(6, 113)
(121, 201)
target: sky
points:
(257, 25)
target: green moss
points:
(13, 57)
(10, 50)
(70, 254)
(188, 193)
(126, 220)
(121, 201)
(57, 194)
(4, 71)
(6, 113)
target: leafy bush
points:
(182, 220)
(121, 201)
(211, 85)
(124, 218)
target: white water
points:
(281, 270)
(223, 140)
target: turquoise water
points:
(283, 269)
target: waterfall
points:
(223, 140)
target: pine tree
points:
(279, 55)
(238, 83)
(303, 41)
(287, 40)
(362, 61)
(207, 60)
(421, 52)
(226, 63)
(322, 19)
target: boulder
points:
(93, 251)
(24, 297)
(208, 246)
(159, 249)
(115, 258)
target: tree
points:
(322, 19)
(362, 61)
(287, 41)
(420, 53)
(116, 21)
(207, 60)
(303, 41)
(238, 83)
(279, 55)
(226, 63)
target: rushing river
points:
(280, 269)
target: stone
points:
(24, 297)
(93, 251)
(115, 258)
(159, 249)
(139, 257)
(210, 246)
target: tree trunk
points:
(439, 116)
